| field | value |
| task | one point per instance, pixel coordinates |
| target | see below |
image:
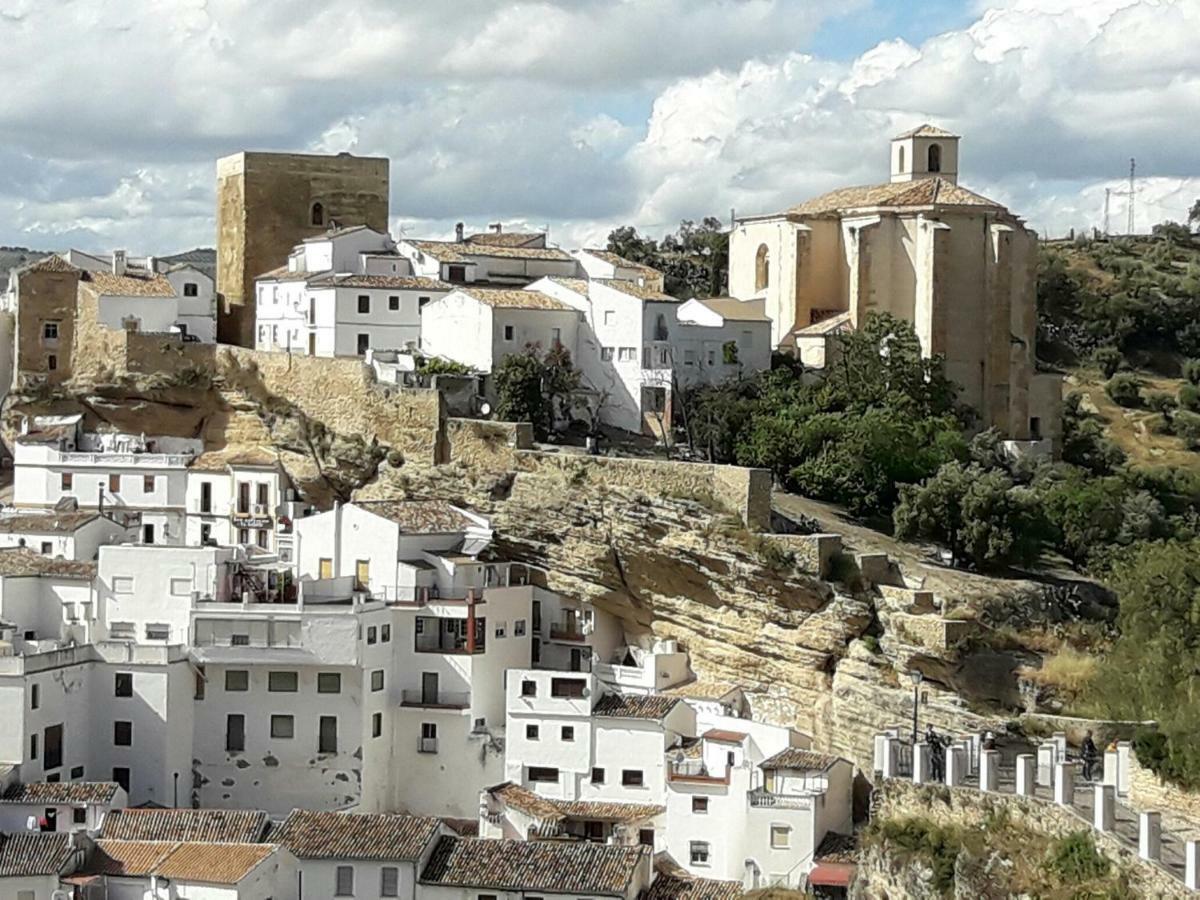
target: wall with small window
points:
(360, 879)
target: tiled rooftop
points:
(48, 522)
(722, 736)
(634, 706)
(223, 863)
(21, 561)
(615, 259)
(837, 848)
(40, 792)
(509, 238)
(553, 810)
(394, 282)
(738, 310)
(420, 516)
(333, 835)
(633, 289)
(502, 298)
(51, 263)
(582, 868)
(220, 460)
(923, 192)
(25, 854)
(131, 284)
(685, 887)
(795, 758)
(926, 130)
(226, 826)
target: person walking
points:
(1089, 755)
(937, 754)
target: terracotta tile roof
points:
(684, 887)
(526, 801)
(336, 231)
(28, 854)
(575, 868)
(503, 252)
(509, 238)
(420, 516)
(333, 835)
(702, 689)
(442, 251)
(737, 310)
(51, 263)
(222, 826)
(220, 460)
(627, 813)
(393, 282)
(500, 298)
(21, 561)
(224, 863)
(131, 284)
(616, 259)
(578, 285)
(926, 130)
(837, 848)
(282, 273)
(62, 792)
(128, 858)
(795, 758)
(49, 522)
(922, 192)
(633, 289)
(462, 827)
(722, 736)
(634, 706)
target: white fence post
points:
(956, 764)
(1112, 763)
(890, 756)
(1064, 783)
(1104, 806)
(1026, 773)
(989, 770)
(920, 764)
(1191, 872)
(1123, 751)
(1045, 764)
(1150, 835)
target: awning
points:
(831, 874)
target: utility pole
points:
(1107, 197)
(1132, 191)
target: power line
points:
(1129, 192)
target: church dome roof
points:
(896, 195)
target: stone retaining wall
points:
(1148, 791)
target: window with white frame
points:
(606, 354)
(181, 587)
(698, 853)
(781, 837)
(122, 584)
(610, 317)
(157, 631)
(389, 882)
(627, 354)
(344, 882)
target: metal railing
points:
(427, 745)
(763, 798)
(443, 699)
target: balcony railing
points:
(440, 700)
(695, 771)
(760, 798)
(566, 633)
(427, 745)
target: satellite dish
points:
(485, 409)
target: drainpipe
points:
(470, 621)
(337, 538)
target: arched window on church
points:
(318, 214)
(935, 158)
(762, 268)
(901, 166)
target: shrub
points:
(1191, 370)
(1075, 859)
(1187, 426)
(1189, 397)
(1108, 360)
(930, 842)
(1124, 390)
(1162, 402)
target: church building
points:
(960, 267)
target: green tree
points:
(534, 387)
(1108, 360)
(1082, 513)
(1124, 389)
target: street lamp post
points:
(916, 678)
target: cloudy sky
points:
(583, 114)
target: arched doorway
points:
(762, 268)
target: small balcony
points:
(694, 771)
(441, 700)
(571, 632)
(427, 745)
(763, 799)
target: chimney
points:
(458, 232)
(496, 227)
(118, 262)
(151, 265)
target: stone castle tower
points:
(269, 202)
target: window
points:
(519, 628)
(632, 778)
(237, 680)
(389, 882)
(122, 584)
(729, 353)
(555, 336)
(372, 634)
(377, 725)
(543, 774)
(393, 304)
(148, 534)
(329, 683)
(421, 301)
(68, 481)
(626, 354)
(762, 267)
(51, 362)
(700, 804)
(900, 161)
(239, 640)
(243, 535)
(158, 632)
(935, 158)
(181, 587)
(122, 734)
(35, 696)
(317, 214)
(121, 631)
(781, 837)
(428, 742)
(501, 631)
(47, 548)
(508, 332)
(362, 343)
(191, 289)
(262, 494)
(532, 733)
(283, 727)
(327, 735)
(205, 496)
(606, 354)
(377, 680)
(456, 274)
(528, 688)
(77, 772)
(79, 815)
(568, 732)
(610, 317)
(646, 837)
(385, 633)
(120, 774)
(597, 776)
(282, 682)
(698, 850)
(33, 746)
(1035, 428)
(364, 304)
(344, 886)
(148, 484)
(243, 497)
(123, 684)
(50, 331)
(567, 687)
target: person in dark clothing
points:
(937, 754)
(1089, 754)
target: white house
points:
(604, 264)
(368, 857)
(478, 327)
(467, 869)
(196, 296)
(342, 293)
(32, 863)
(123, 296)
(74, 534)
(60, 806)
(719, 338)
(192, 870)
(487, 264)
